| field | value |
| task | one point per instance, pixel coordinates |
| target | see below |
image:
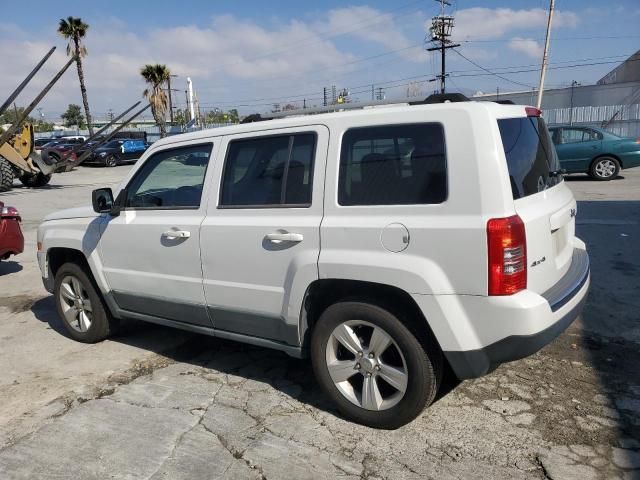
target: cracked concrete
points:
(156, 403)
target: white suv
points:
(383, 242)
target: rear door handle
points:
(284, 237)
(176, 234)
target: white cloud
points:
(481, 23)
(528, 46)
(381, 29)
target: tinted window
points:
(275, 170)
(170, 179)
(530, 155)
(113, 144)
(393, 165)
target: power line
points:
(489, 71)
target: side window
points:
(269, 171)
(170, 179)
(393, 165)
(574, 135)
(591, 135)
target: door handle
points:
(176, 234)
(284, 237)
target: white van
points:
(382, 242)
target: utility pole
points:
(324, 102)
(186, 110)
(545, 55)
(573, 85)
(441, 27)
(170, 99)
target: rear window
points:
(531, 156)
(393, 165)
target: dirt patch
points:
(19, 303)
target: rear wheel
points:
(371, 365)
(110, 161)
(605, 168)
(35, 180)
(80, 305)
(6, 175)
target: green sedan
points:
(594, 151)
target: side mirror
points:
(102, 199)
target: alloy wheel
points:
(75, 303)
(366, 365)
(605, 168)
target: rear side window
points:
(393, 165)
(269, 171)
(531, 157)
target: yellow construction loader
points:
(17, 155)
(18, 158)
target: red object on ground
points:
(11, 239)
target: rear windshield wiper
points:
(557, 173)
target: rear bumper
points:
(563, 304)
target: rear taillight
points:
(507, 249)
(532, 111)
(10, 212)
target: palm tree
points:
(156, 75)
(74, 30)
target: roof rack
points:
(435, 98)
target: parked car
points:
(39, 143)
(117, 152)
(11, 239)
(383, 243)
(53, 152)
(594, 151)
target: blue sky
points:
(252, 54)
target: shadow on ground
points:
(209, 352)
(611, 319)
(9, 266)
(577, 177)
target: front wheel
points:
(35, 181)
(80, 306)
(371, 365)
(6, 175)
(605, 168)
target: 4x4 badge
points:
(538, 262)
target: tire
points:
(110, 161)
(390, 408)
(100, 324)
(604, 168)
(35, 181)
(6, 175)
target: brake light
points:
(10, 212)
(507, 251)
(532, 111)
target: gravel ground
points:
(158, 403)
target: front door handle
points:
(280, 237)
(176, 234)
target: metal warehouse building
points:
(612, 103)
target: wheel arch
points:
(58, 256)
(323, 293)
